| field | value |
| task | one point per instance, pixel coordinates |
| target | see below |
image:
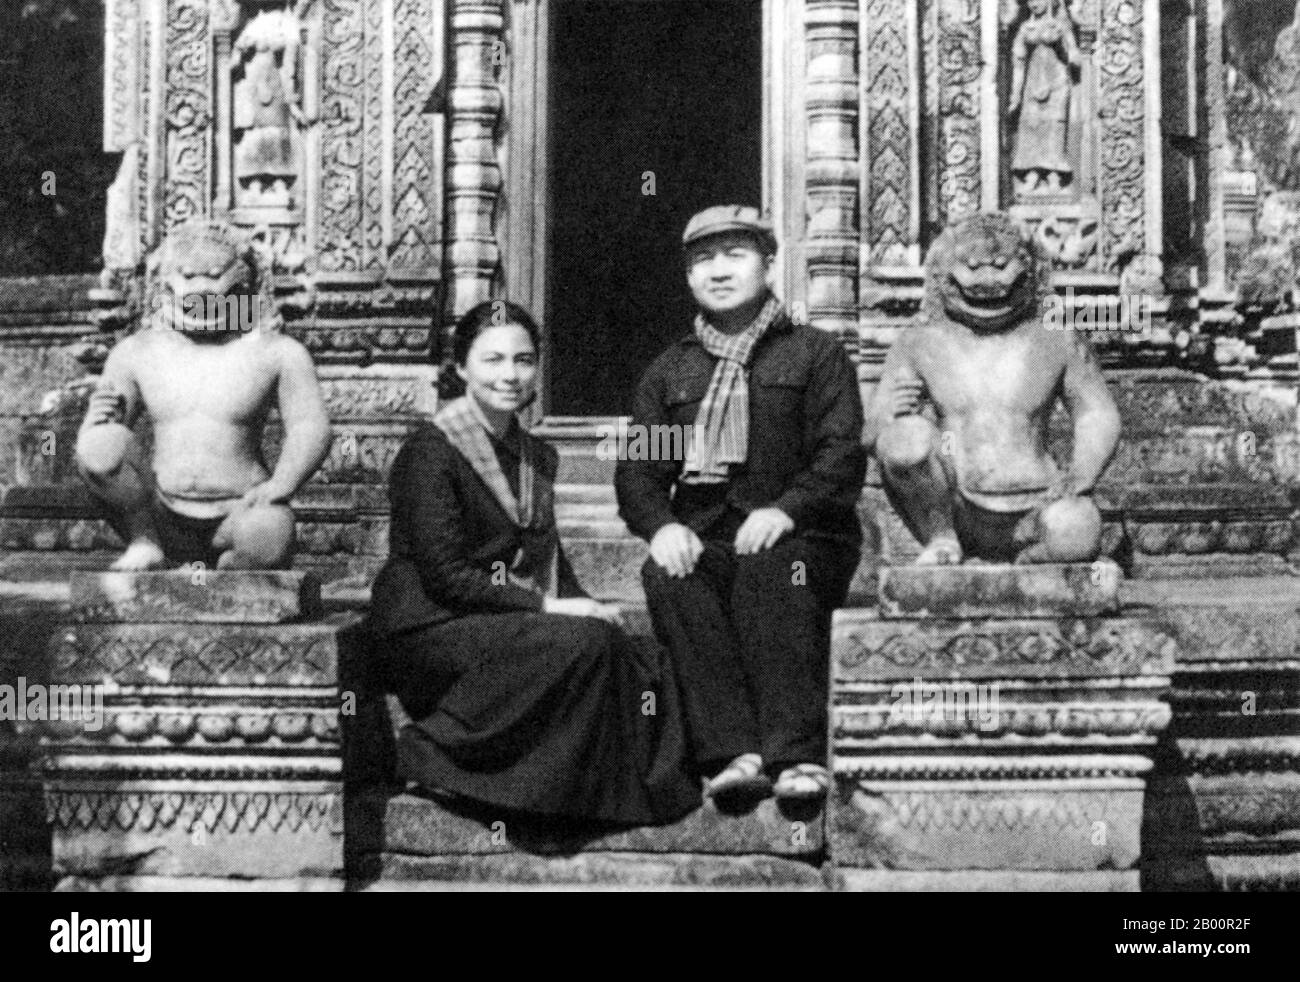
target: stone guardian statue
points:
(207, 368)
(959, 421)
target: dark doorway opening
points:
(669, 87)
(54, 174)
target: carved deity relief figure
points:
(960, 419)
(207, 370)
(266, 110)
(1069, 242)
(1044, 55)
(1270, 271)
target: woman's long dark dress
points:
(543, 713)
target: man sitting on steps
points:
(754, 536)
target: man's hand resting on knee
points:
(676, 548)
(762, 530)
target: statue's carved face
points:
(205, 281)
(984, 273)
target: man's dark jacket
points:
(805, 438)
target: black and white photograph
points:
(650, 446)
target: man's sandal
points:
(742, 776)
(803, 782)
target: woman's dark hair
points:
(490, 313)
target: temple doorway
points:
(655, 111)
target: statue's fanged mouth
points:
(988, 293)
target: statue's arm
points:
(307, 431)
(116, 396)
(1019, 54)
(883, 406)
(1067, 39)
(1094, 414)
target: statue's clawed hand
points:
(907, 396)
(107, 405)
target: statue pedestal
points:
(216, 752)
(989, 721)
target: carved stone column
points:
(831, 104)
(1212, 99)
(475, 174)
(958, 46)
(891, 92)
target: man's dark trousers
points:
(749, 636)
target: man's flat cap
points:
(730, 218)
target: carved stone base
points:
(214, 828)
(988, 823)
(1047, 590)
(217, 751)
(998, 745)
(198, 596)
(382, 820)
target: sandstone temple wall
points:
(409, 184)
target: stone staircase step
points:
(663, 871)
(586, 494)
(384, 820)
(1236, 620)
(608, 568)
(985, 881)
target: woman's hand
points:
(584, 607)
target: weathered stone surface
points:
(219, 753)
(308, 722)
(1211, 567)
(1188, 813)
(953, 711)
(200, 654)
(51, 534)
(1223, 806)
(1249, 621)
(979, 743)
(361, 453)
(412, 825)
(1032, 590)
(608, 568)
(199, 884)
(866, 647)
(195, 597)
(1030, 825)
(985, 881)
(589, 870)
(195, 828)
(1272, 872)
(379, 392)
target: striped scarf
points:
(535, 565)
(723, 417)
